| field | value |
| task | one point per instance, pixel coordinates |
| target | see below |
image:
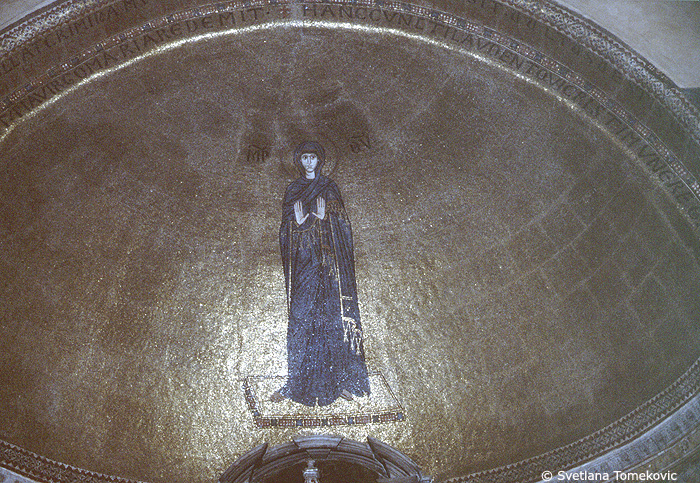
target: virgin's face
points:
(309, 161)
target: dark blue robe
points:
(325, 352)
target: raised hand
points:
(320, 208)
(299, 213)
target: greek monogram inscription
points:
(359, 143)
(256, 154)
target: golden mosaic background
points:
(521, 275)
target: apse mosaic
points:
(227, 225)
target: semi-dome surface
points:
(525, 219)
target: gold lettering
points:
(226, 18)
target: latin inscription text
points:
(584, 97)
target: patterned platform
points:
(381, 406)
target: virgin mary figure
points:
(325, 352)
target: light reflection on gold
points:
(146, 280)
(277, 24)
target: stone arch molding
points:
(263, 461)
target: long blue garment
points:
(325, 352)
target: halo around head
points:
(310, 147)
